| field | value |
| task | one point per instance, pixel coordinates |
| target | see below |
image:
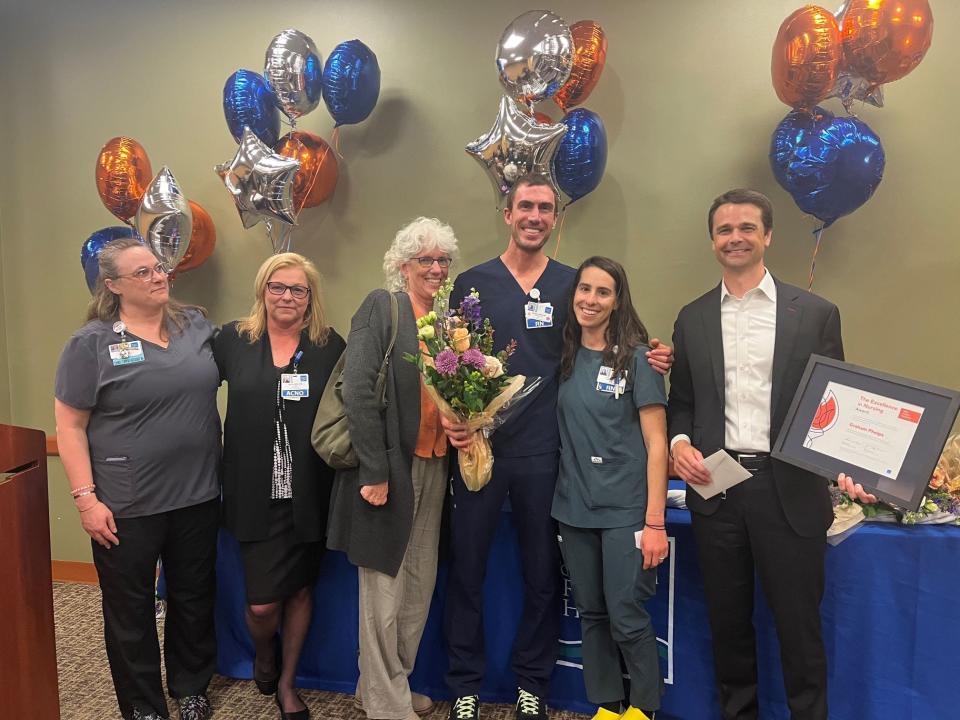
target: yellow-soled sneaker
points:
(604, 714)
(633, 713)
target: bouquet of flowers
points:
(940, 505)
(467, 381)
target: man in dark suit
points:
(740, 353)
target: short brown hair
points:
(532, 180)
(743, 196)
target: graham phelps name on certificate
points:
(864, 429)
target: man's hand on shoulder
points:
(688, 463)
(660, 356)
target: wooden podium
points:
(28, 652)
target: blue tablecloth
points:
(891, 618)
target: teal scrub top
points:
(603, 461)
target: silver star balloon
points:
(164, 220)
(261, 182)
(850, 86)
(516, 145)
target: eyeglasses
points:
(278, 288)
(427, 261)
(145, 274)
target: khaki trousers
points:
(393, 610)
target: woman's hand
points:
(458, 434)
(98, 523)
(854, 489)
(653, 545)
(374, 494)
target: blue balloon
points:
(248, 102)
(582, 154)
(351, 82)
(90, 250)
(830, 165)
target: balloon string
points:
(335, 137)
(556, 250)
(813, 261)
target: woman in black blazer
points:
(276, 489)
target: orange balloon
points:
(203, 237)
(806, 57)
(589, 57)
(543, 118)
(317, 176)
(883, 40)
(123, 173)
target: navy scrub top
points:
(532, 429)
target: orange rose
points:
(460, 338)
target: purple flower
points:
(470, 310)
(446, 362)
(474, 357)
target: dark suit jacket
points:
(249, 429)
(806, 324)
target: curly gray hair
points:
(414, 238)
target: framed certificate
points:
(886, 432)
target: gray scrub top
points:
(603, 461)
(154, 430)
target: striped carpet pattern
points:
(86, 690)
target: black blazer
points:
(248, 434)
(806, 324)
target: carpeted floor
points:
(86, 691)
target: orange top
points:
(431, 440)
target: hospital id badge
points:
(538, 315)
(606, 384)
(126, 353)
(294, 386)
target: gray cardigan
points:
(376, 537)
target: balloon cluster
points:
(273, 178)
(832, 165)
(178, 231)
(539, 57)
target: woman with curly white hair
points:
(385, 514)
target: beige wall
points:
(688, 106)
(4, 370)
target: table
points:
(891, 616)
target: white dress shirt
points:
(749, 327)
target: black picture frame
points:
(905, 492)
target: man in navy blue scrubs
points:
(526, 295)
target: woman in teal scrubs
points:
(612, 485)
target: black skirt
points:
(280, 565)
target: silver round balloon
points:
(294, 73)
(516, 145)
(261, 181)
(164, 220)
(535, 56)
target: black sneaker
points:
(465, 707)
(140, 715)
(194, 707)
(530, 706)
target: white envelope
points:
(725, 472)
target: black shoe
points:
(530, 706)
(140, 715)
(194, 707)
(268, 685)
(465, 707)
(296, 714)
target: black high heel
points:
(295, 715)
(268, 686)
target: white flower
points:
(427, 332)
(492, 368)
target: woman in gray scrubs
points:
(612, 485)
(139, 436)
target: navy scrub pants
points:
(186, 540)
(530, 483)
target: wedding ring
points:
(663, 557)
